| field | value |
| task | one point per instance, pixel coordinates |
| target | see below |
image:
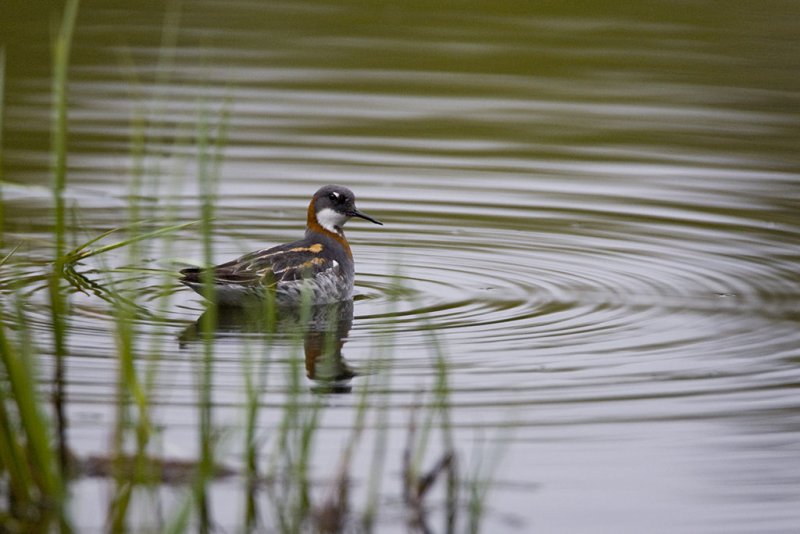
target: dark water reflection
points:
(323, 330)
(594, 209)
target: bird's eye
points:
(335, 197)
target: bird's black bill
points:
(356, 213)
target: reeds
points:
(33, 452)
(281, 493)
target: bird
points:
(319, 267)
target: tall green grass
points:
(58, 302)
(33, 452)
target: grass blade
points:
(82, 252)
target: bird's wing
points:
(283, 263)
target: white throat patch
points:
(331, 220)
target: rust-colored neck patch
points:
(313, 225)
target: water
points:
(594, 211)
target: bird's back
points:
(316, 264)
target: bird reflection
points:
(324, 329)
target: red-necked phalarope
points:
(321, 263)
